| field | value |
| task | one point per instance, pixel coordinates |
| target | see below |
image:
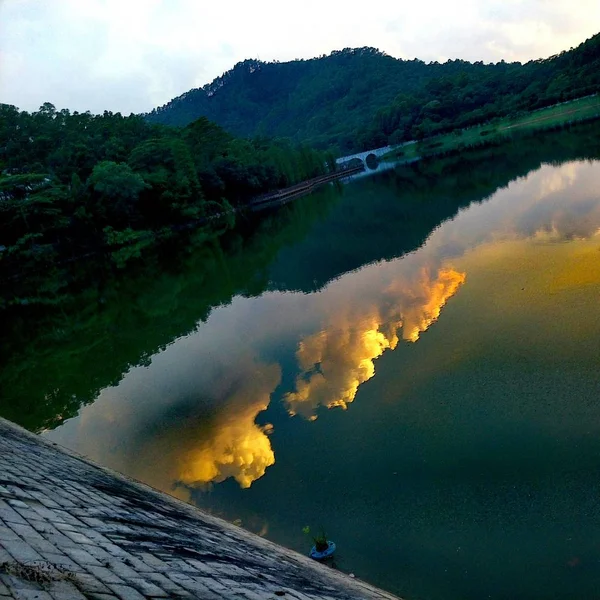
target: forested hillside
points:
(73, 183)
(355, 99)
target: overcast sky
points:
(133, 55)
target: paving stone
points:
(9, 515)
(26, 531)
(105, 575)
(99, 553)
(214, 585)
(60, 541)
(114, 550)
(31, 595)
(15, 583)
(152, 561)
(246, 594)
(92, 521)
(88, 583)
(202, 568)
(62, 561)
(7, 533)
(296, 595)
(139, 565)
(164, 582)
(44, 527)
(17, 492)
(17, 503)
(78, 537)
(4, 555)
(122, 569)
(64, 590)
(147, 588)
(45, 500)
(81, 557)
(63, 527)
(96, 537)
(20, 551)
(126, 593)
(41, 545)
(201, 590)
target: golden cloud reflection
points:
(335, 361)
(239, 448)
(408, 294)
(205, 450)
(177, 427)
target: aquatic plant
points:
(320, 539)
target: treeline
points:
(469, 98)
(71, 183)
(357, 99)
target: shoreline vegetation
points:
(75, 184)
(500, 130)
(161, 191)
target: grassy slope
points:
(559, 115)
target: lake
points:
(410, 360)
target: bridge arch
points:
(372, 156)
(371, 161)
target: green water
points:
(410, 360)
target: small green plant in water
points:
(320, 539)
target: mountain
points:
(358, 98)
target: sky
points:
(134, 55)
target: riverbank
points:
(71, 530)
(303, 188)
(500, 130)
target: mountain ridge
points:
(357, 98)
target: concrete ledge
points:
(70, 530)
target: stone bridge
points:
(368, 157)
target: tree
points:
(115, 189)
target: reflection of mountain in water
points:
(124, 320)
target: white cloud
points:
(131, 55)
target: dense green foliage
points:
(361, 98)
(75, 183)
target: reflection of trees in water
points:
(113, 321)
(122, 319)
(391, 214)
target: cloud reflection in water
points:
(189, 419)
(335, 361)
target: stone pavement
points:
(70, 530)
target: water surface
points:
(416, 370)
